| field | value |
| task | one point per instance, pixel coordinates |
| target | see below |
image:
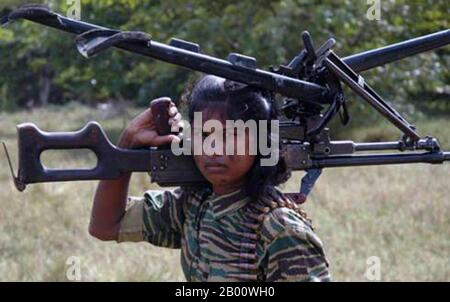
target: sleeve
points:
(296, 253)
(157, 218)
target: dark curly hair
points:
(242, 102)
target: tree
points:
(45, 65)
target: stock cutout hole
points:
(68, 159)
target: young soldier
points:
(240, 227)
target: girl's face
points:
(226, 172)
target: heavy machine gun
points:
(311, 85)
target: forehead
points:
(214, 113)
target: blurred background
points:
(400, 214)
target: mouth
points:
(215, 167)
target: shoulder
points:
(285, 222)
(178, 194)
(291, 248)
(285, 219)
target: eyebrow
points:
(223, 129)
(203, 130)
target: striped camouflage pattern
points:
(228, 237)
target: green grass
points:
(399, 213)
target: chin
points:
(217, 179)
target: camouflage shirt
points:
(228, 237)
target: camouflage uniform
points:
(228, 237)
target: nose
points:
(214, 144)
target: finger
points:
(164, 98)
(165, 140)
(176, 127)
(172, 104)
(173, 110)
(175, 119)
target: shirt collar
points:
(227, 203)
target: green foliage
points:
(268, 30)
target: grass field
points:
(400, 214)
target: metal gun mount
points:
(311, 84)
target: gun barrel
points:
(446, 156)
(384, 55)
(358, 62)
(380, 159)
(194, 60)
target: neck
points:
(223, 189)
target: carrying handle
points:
(94, 41)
